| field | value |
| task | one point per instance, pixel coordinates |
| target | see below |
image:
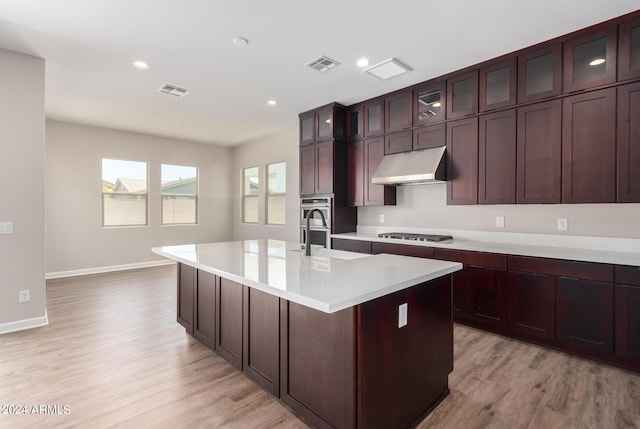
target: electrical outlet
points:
(402, 315)
(563, 224)
(381, 218)
(6, 227)
(24, 296)
(500, 221)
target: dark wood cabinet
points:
(462, 161)
(429, 103)
(531, 308)
(398, 111)
(375, 195)
(229, 321)
(398, 142)
(486, 291)
(355, 174)
(321, 124)
(497, 158)
(498, 85)
(402, 249)
(374, 117)
(588, 147)
(429, 137)
(307, 128)
(186, 290)
(629, 50)
(590, 59)
(261, 339)
(584, 315)
(540, 73)
(204, 326)
(307, 170)
(627, 310)
(462, 95)
(628, 150)
(539, 151)
(351, 245)
(324, 167)
(355, 122)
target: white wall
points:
(425, 206)
(282, 146)
(22, 189)
(75, 238)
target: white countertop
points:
(329, 280)
(593, 249)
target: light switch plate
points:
(6, 227)
(402, 314)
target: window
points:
(250, 195)
(179, 194)
(124, 193)
(276, 193)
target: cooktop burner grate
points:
(415, 237)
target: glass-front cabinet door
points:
(540, 73)
(629, 54)
(498, 85)
(324, 124)
(462, 95)
(590, 60)
(307, 128)
(429, 103)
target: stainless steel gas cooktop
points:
(415, 237)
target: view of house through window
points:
(179, 194)
(276, 193)
(250, 195)
(124, 193)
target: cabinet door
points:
(376, 195)
(584, 315)
(540, 73)
(204, 328)
(307, 170)
(487, 295)
(186, 287)
(531, 306)
(590, 60)
(458, 281)
(429, 103)
(307, 128)
(398, 111)
(628, 164)
(588, 147)
(398, 142)
(498, 85)
(629, 50)
(428, 137)
(324, 167)
(261, 339)
(229, 321)
(355, 122)
(628, 312)
(402, 249)
(497, 158)
(462, 95)
(462, 161)
(539, 152)
(355, 173)
(324, 120)
(351, 245)
(374, 117)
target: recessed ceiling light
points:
(241, 41)
(597, 62)
(362, 62)
(271, 103)
(141, 65)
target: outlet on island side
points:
(402, 315)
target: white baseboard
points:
(21, 325)
(98, 270)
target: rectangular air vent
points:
(387, 69)
(170, 89)
(323, 64)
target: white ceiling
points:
(89, 46)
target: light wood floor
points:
(115, 356)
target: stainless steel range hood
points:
(412, 168)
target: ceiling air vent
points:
(387, 69)
(170, 89)
(323, 64)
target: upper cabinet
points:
(307, 125)
(374, 117)
(322, 124)
(355, 122)
(590, 60)
(540, 73)
(398, 111)
(462, 95)
(628, 150)
(498, 85)
(629, 50)
(429, 103)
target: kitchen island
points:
(343, 339)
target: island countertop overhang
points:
(327, 281)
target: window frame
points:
(136, 194)
(268, 194)
(169, 194)
(245, 196)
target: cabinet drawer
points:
(555, 267)
(626, 275)
(402, 249)
(351, 245)
(480, 259)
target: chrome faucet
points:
(307, 247)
